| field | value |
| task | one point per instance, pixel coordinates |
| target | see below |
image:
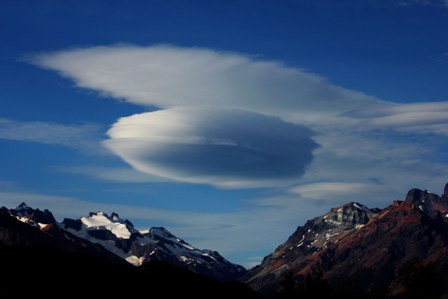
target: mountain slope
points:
(367, 248)
(31, 270)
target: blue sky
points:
(228, 122)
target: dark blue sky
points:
(322, 52)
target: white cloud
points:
(168, 76)
(335, 189)
(85, 137)
(361, 139)
(227, 148)
(416, 117)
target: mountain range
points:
(120, 238)
(400, 251)
(90, 257)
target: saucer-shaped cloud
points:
(226, 148)
(168, 76)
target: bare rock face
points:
(366, 247)
(445, 192)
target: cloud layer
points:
(168, 76)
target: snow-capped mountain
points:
(121, 238)
(37, 254)
(372, 250)
(25, 226)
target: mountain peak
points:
(427, 202)
(349, 215)
(155, 244)
(160, 232)
(369, 247)
(23, 210)
(35, 217)
(22, 206)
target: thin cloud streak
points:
(204, 230)
(83, 137)
(110, 174)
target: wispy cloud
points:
(434, 3)
(8, 185)
(111, 174)
(335, 189)
(407, 117)
(257, 228)
(85, 137)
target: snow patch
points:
(208, 255)
(100, 220)
(188, 246)
(134, 260)
(42, 225)
(23, 219)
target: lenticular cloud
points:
(167, 76)
(246, 139)
(226, 148)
